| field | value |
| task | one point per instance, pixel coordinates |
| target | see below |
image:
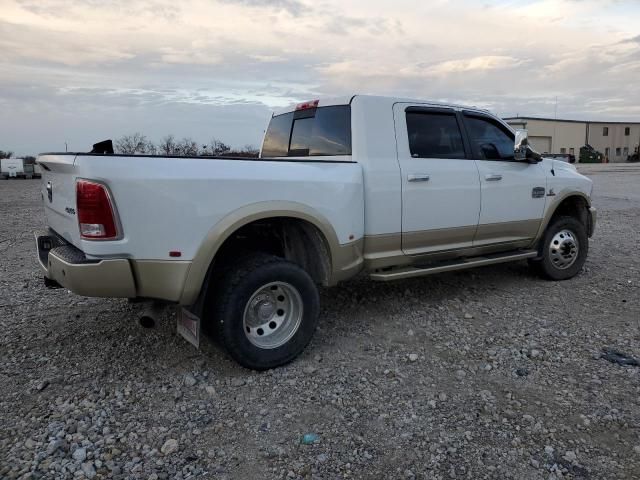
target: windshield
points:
(319, 131)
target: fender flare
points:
(553, 207)
(237, 219)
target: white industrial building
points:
(615, 140)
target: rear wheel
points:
(266, 311)
(564, 249)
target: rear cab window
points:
(319, 131)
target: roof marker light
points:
(307, 105)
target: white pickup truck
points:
(392, 187)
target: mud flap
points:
(188, 326)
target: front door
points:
(440, 185)
(513, 193)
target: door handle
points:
(494, 177)
(418, 178)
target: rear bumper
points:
(68, 266)
(593, 216)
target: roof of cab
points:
(346, 100)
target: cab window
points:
(489, 139)
(434, 134)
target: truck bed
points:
(168, 203)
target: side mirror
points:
(521, 144)
(522, 151)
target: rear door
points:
(59, 195)
(513, 193)
(440, 185)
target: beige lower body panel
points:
(396, 250)
(506, 232)
(120, 278)
(107, 278)
(160, 279)
(430, 241)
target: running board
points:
(460, 264)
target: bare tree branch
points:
(132, 144)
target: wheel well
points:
(573, 206)
(294, 239)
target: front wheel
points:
(266, 311)
(564, 249)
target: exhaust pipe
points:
(151, 314)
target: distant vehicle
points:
(12, 168)
(588, 154)
(37, 171)
(392, 187)
(28, 171)
(564, 157)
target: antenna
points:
(555, 125)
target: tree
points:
(187, 147)
(29, 160)
(251, 151)
(132, 144)
(218, 147)
(168, 146)
(248, 151)
(5, 154)
(151, 148)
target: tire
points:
(570, 237)
(265, 311)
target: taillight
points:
(96, 217)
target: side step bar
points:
(461, 264)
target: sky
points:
(80, 71)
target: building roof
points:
(508, 119)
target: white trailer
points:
(12, 167)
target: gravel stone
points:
(570, 456)
(79, 454)
(210, 389)
(88, 470)
(170, 446)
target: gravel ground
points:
(490, 373)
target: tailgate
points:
(59, 195)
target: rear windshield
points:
(311, 132)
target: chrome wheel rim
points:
(563, 249)
(272, 315)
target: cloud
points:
(635, 39)
(143, 64)
(476, 64)
(292, 7)
(187, 56)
